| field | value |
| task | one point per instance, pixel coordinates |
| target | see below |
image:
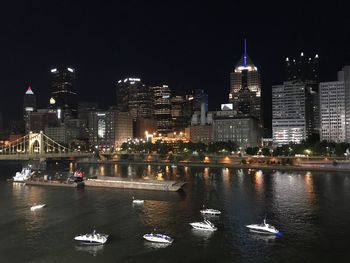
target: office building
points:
(123, 128)
(135, 97)
(162, 108)
(29, 105)
(334, 108)
(289, 112)
(306, 70)
(245, 88)
(244, 130)
(109, 129)
(63, 91)
(41, 119)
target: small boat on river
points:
(159, 238)
(91, 239)
(36, 207)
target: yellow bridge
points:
(38, 146)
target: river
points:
(311, 209)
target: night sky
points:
(187, 45)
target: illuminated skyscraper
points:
(162, 108)
(289, 112)
(245, 88)
(63, 91)
(29, 105)
(335, 108)
(306, 70)
(135, 97)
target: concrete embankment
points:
(113, 182)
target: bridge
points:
(38, 146)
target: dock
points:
(141, 184)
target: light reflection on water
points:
(312, 209)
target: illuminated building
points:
(135, 97)
(109, 129)
(245, 87)
(177, 113)
(288, 113)
(306, 70)
(244, 130)
(201, 129)
(29, 105)
(123, 128)
(334, 97)
(63, 91)
(162, 108)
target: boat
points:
(94, 238)
(23, 175)
(173, 166)
(205, 225)
(137, 201)
(36, 207)
(159, 238)
(210, 211)
(78, 176)
(264, 228)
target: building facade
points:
(63, 91)
(109, 129)
(332, 110)
(135, 97)
(162, 108)
(102, 130)
(306, 70)
(288, 112)
(335, 108)
(245, 131)
(29, 105)
(41, 119)
(123, 128)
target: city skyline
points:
(195, 46)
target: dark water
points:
(312, 209)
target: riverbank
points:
(326, 167)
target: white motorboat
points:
(205, 225)
(159, 238)
(210, 211)
(264, 228)
(23, 175)
(94, 238)
(137, 201)
(36, 207)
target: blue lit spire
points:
(245, 62)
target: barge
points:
(117, 182)
(54, 183)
